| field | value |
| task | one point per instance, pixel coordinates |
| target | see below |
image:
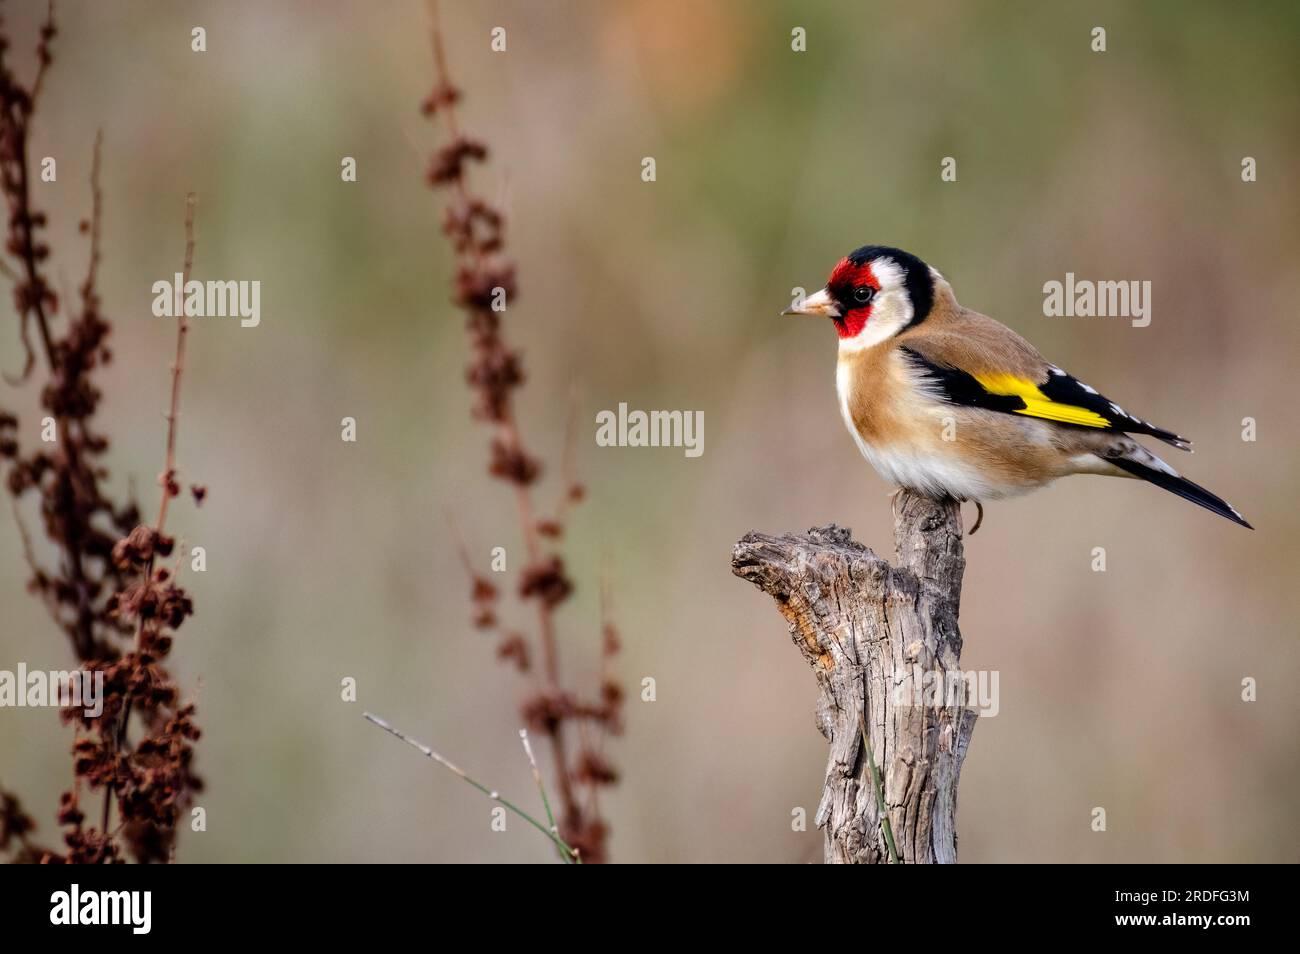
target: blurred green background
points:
(1118, 689)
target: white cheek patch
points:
(891, 309)
(890, 313)
(889, 276)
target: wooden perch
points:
(884, 645)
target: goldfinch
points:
(950, 403)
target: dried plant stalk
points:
(106, 587)
(567, 854)
(484, 283)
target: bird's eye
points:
(862, 294)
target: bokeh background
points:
(1118, 689)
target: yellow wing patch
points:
(1038, 404)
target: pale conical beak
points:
(820, 304)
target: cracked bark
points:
(882, 641)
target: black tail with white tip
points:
(1182, 487)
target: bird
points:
(954, 405)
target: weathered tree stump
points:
(877, 635)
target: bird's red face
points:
(873, 294)
(854, 288)
(846, 299)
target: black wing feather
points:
(1064, 388)
(1182, 487)
(960, 387)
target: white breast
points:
(930, 466)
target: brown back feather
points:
(957, 337)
